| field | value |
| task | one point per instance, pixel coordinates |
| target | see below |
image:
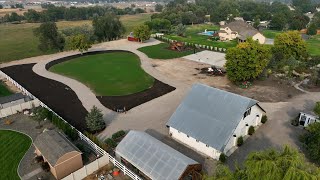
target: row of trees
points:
(281, 17)
(286, 163)
(53, 13)
(250, 59)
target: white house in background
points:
(306, 119)
(239, 30)
(210, 120)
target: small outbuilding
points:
(12, 100)
(154, 159)
(61, 155)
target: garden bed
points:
(59, 97)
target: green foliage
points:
(264, 119)
(107, 27)
(222, 158)
(240, 141)
(159, 25)
(40, 113)
(299, 21)
(312, 29)
(4, 90)
(80, 30)
(180, 30)
(290, 44)
(110, 143)
(251, 130)
(118, 135)
(311, 141)
(279, 21)
(158, 8)
(94, 120)
(222, 172)
(316, 108)
(94, 139)
(66, 128)
(78, 42)
(49, 37)
(247, 60)
(142, 32)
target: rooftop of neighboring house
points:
(244, 29)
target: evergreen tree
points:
(95, 120)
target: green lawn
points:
(192, 36)
(4, 91)
(108, 74)
(270, 33)
(161, 51)
(13, 146)
(313, 45)
(17, 40)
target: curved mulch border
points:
(59, 97)
(128, 101)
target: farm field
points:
(162, 51)
(107, 74)
(13, 146)
(18, 41)
(192, 36)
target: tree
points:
(78, 42)
(279, 21)
(158, 8)
(290, 44)
(49, 37)
(317, 108)
(312, 29)
(159, 25)
(107, 27)
(247, 60)
(40, 113)
(32, 16)
(94, 120)
(311, 141)
(142, 32)
(256, 22)
(298, 22)
(1, 6)
(180, 30)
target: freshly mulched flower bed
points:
(59, 97)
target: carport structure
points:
(154, 159)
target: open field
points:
(107, 74)
(4, 91)
(192, 36)
(18, 41)
(313, 45)
(162, 51)
(13, 146)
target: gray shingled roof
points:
(11, 98)
(210, 115)
(155, 159)
(53, 145)
(244, 29)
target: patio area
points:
(208, 57)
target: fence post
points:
(124, 170)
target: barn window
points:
(247, 113)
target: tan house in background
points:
(240, 30)
(62, 156)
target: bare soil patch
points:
(270, 90)
(59, 97)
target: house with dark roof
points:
(154, 159)
(240, 30)
(210, 120)
(61, 155)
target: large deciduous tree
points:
(312, 29)
(50, 38)
(158, 8)
(142, 32)
(311, 141)
(78, 42)
(247, 60)
(290, 44)
(107, 27)
(94, 120)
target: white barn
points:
(210, 120)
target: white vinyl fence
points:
(95, 147)
(18, 108)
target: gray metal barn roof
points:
(53, 145)
(210, 115)
(154, 158)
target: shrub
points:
(111, 143)
(317, 108)
(118, 134)
(264, 119)
(45, 166)
(222, 158)
(251, 130)
(295, 121)
(240, 141)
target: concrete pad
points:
(208, 57)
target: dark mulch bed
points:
(130, 101)
(59, 97)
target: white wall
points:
(12, 103)
(260, 38)
(18, 108)
(192, 143)
(242, 129)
